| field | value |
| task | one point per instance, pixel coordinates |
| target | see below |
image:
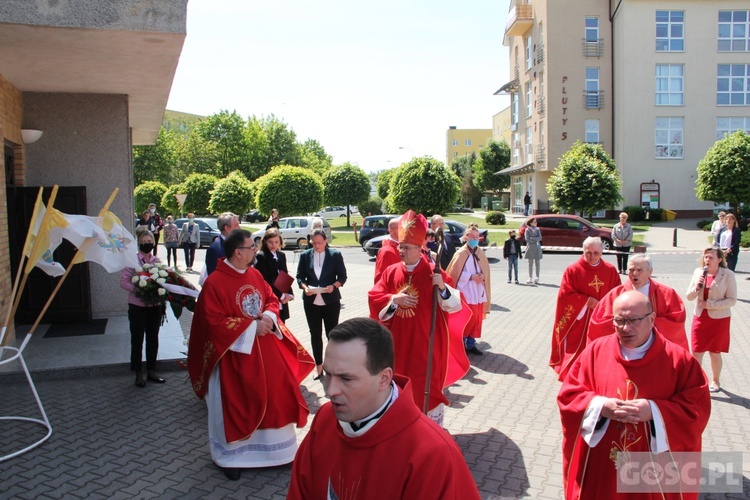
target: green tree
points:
(198, 188)
(197, 155)
(383, 185)
(313, 156)
(372, 206)
(271, 143)
(291, 190)
(170, 203)
(586, 180)
(231, 194)
(463, 167)
(424, 185)
(492, 158)
(156, 162)
(345, 185)
(724, 173)
(227, 131)
(147, 193)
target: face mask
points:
(191, 220)
(169, 221)
(473, 243)
(431, 245)
(513, 237)
(146, 247)
(152, 210)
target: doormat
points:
(96, 327)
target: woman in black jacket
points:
(729, 241)
(320, 274)
(271, 261)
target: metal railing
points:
(593, 49)
(593, 99)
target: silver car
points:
(294, 230)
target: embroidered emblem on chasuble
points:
(597, 283)
(628, 434)
(249, 301)
(407, 311)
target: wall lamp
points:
(30, 135)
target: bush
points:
(147, 193)
(290, 190)
(705, 225)
(635, 213)
(657, 214)
(170, 203)
(198, 188)
(371, 206)
(231, 194)
(745, 240)
(495, 218)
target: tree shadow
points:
(506, 475)
(493, 260)
(499, 363)
(497, 307)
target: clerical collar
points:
(359, 427)
(635, 353)
(411, 267)
(241, 271)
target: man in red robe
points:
(388, 253)
(669, 310)
(246, 364)
(403, 300)
(629, 392)
(583, 285)
(371, 441)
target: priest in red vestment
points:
(388, 253)
(583, 285)
(371, 441)
(669, 310)
(629, 392)
(246, 364)
(402, 300)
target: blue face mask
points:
(431, 245)
(472, 243)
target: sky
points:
(375, 83)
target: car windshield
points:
(282, 223)
(211, 223)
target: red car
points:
(560, 230)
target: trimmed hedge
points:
(495, 218)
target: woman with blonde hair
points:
(729, 241)
(622, 238)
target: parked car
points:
(455, 232)
(374, 225)
(458, 209)
(331, 212)
(208, 227)
(294, 231)
(255, 216)
(567, 231)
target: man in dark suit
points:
(449, 248)
(320, 274)
(227, 222)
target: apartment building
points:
(464, 142)
(655, 83)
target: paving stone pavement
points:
(113, 440)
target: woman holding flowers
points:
(145, 309)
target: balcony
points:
(540, 53)
(593, 49)
(541, 156)
(540, 105)
(593, 99)
(520, 20)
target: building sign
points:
(650, 193)
(564, 135)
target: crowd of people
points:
(631, 372)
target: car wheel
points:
(342, 215)
(302, 243)
(606, 245)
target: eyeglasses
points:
(629, 321)
(247, 248)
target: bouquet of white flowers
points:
(150, 281)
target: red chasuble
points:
(411, 331)
(387, 256)
(579, 282)
(667, 375)
(665, 302)
(404, 455)
(229, 302)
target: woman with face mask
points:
(145, 319)
(533, 237)
(190, 236)
(470, 271)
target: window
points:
(514, 108)
(669, 137)
(455, 154)
(529, 146)
(670, 31)
(516, 145)
(541, 133)
(541, 33)
(729, 125)
(529, 51)
(734, 30)
(528, 99)
(733, 85)
(455, 142)
(467, 142)
(592, 29)
(592, 131)
(669, 85)
(592, 88)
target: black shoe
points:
(139, 382)
(155, 378)
(231, 473)
(318, 376)
(474, 350)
